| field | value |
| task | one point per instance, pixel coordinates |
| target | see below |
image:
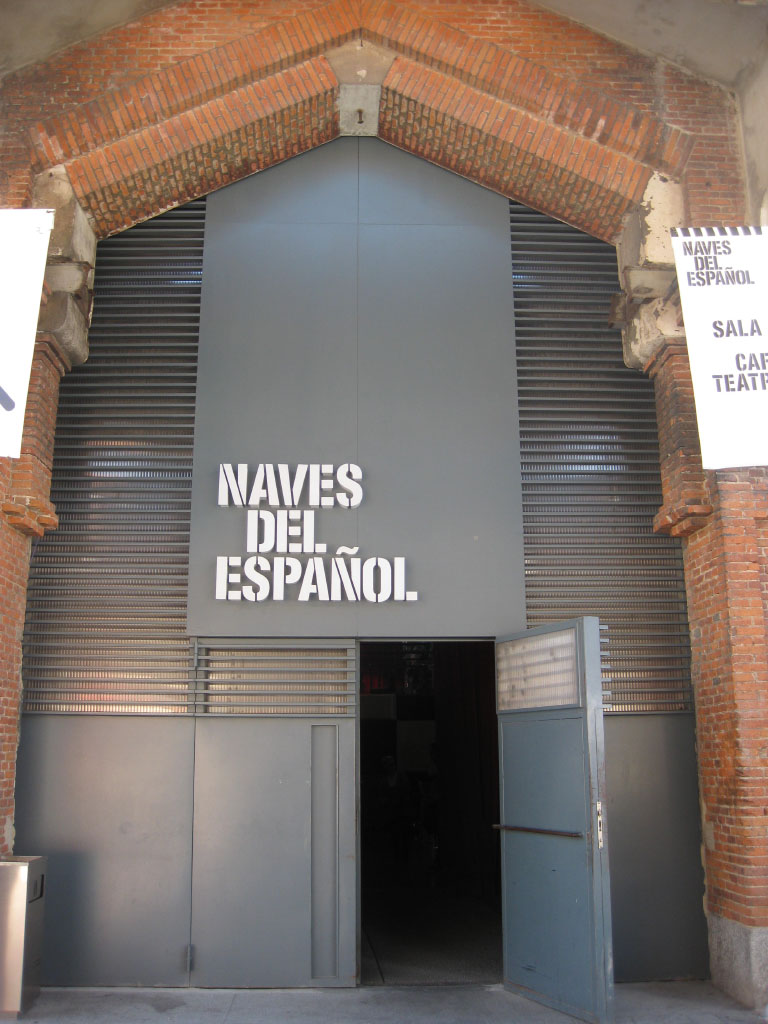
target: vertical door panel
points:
(556, 902)
(109, 800)
(544, 795)
(274, 864)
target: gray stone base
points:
(739, 961)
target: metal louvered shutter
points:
(106, 609)
(107, 596)
(275, 678)
(106, 606)
(591, 479)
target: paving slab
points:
(657, 1003)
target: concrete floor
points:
(658, 1003)
(429, 937)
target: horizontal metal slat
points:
(589, 453)
(271, 679)
(106, 616)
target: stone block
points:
(644, 250)
(72, 238)
(63, 317)
(739, 961)
(648, 326)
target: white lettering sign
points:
(723, 278)
(284, 559)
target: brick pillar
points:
(14, 566)
(723, 518)
(687, 502)
(25, 512)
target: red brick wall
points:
(725, 567)
(724, 518)
(714, 176)
(14, 566)
(203, 92)
(555, 57)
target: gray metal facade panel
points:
(287, 195)
(396, 189)
(109, 799)
(277, 384)
(442, 436)
(654, 837)
(386, 342)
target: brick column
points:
(14, 567)
(725, 565)
(687, 501)
(723, 518)
(26, 511)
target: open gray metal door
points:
(555, 882)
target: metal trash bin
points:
(22, 900)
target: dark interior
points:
(431, 893)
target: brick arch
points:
(462, 102)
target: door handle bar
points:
(539, 831)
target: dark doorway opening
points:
(431, 890)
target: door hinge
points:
(190, 958)
(599, 824)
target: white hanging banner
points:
(24, 236)
(723, 278)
